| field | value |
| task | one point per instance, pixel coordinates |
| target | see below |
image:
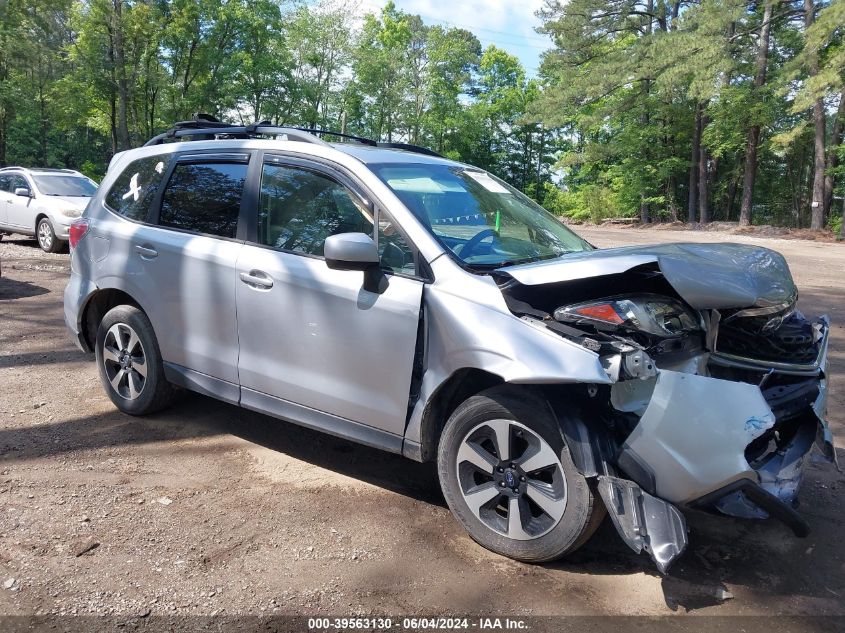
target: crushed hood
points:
(706, 276)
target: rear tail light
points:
(78, 229)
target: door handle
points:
(257, 279)
(146, 252)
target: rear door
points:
(314, 336)
(180, 261)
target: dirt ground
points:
(207, 509)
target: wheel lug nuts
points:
(501, 484)
(513, 465)
(500, 469)
(522, 478)
(516, 489)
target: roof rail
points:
(62, 170)
(417, 149)
(204, 130)
(205, 127)
(351, 137)
(410, 148)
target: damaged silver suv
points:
(422, 306)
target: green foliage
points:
(627, 78)
(606, 130)
(591, 203)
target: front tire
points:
(46, 236)
(509, 479)
(129, 362)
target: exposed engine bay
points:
(718, 396)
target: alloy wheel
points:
(45, 235)
(511, 479)
(124, 361)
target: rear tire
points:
(532, 506)
(46, 237)
(129, 362)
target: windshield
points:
(484, 222)
(65, 185)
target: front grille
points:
(791, 342)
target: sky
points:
(509, 24)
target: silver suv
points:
(42, 202)
(422, 306)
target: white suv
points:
(43, 203)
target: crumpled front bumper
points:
(690, 449)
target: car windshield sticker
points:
(486, 181)
(134, 189)
(425, 184)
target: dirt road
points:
(208, 509)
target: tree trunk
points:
(704, 187)
(819, 123)
(692, 200)
(842, 227)
(122, 85)
(113, 124)
(836, 139)
(540, 161)
(750, 174)
(703, 178)
(730, 197)
(4, 127)
(672, 195)
(5, 106)
(644, 210)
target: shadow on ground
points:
(760, 556)
(13, 289)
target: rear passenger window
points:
(134, 190)
(5, 183)
(204, 197)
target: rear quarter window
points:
(132, 193)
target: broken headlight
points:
(654, 314)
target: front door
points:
(5, 198)
(19, 208)
(314, 336)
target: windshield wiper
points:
(516, 262)
(503, 264)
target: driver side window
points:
(299, 209)
(396, 254)
(19, 182)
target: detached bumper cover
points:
(693, 434)
(644, 522)
(690, 449)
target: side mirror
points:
(23, 191)
(350, 251)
